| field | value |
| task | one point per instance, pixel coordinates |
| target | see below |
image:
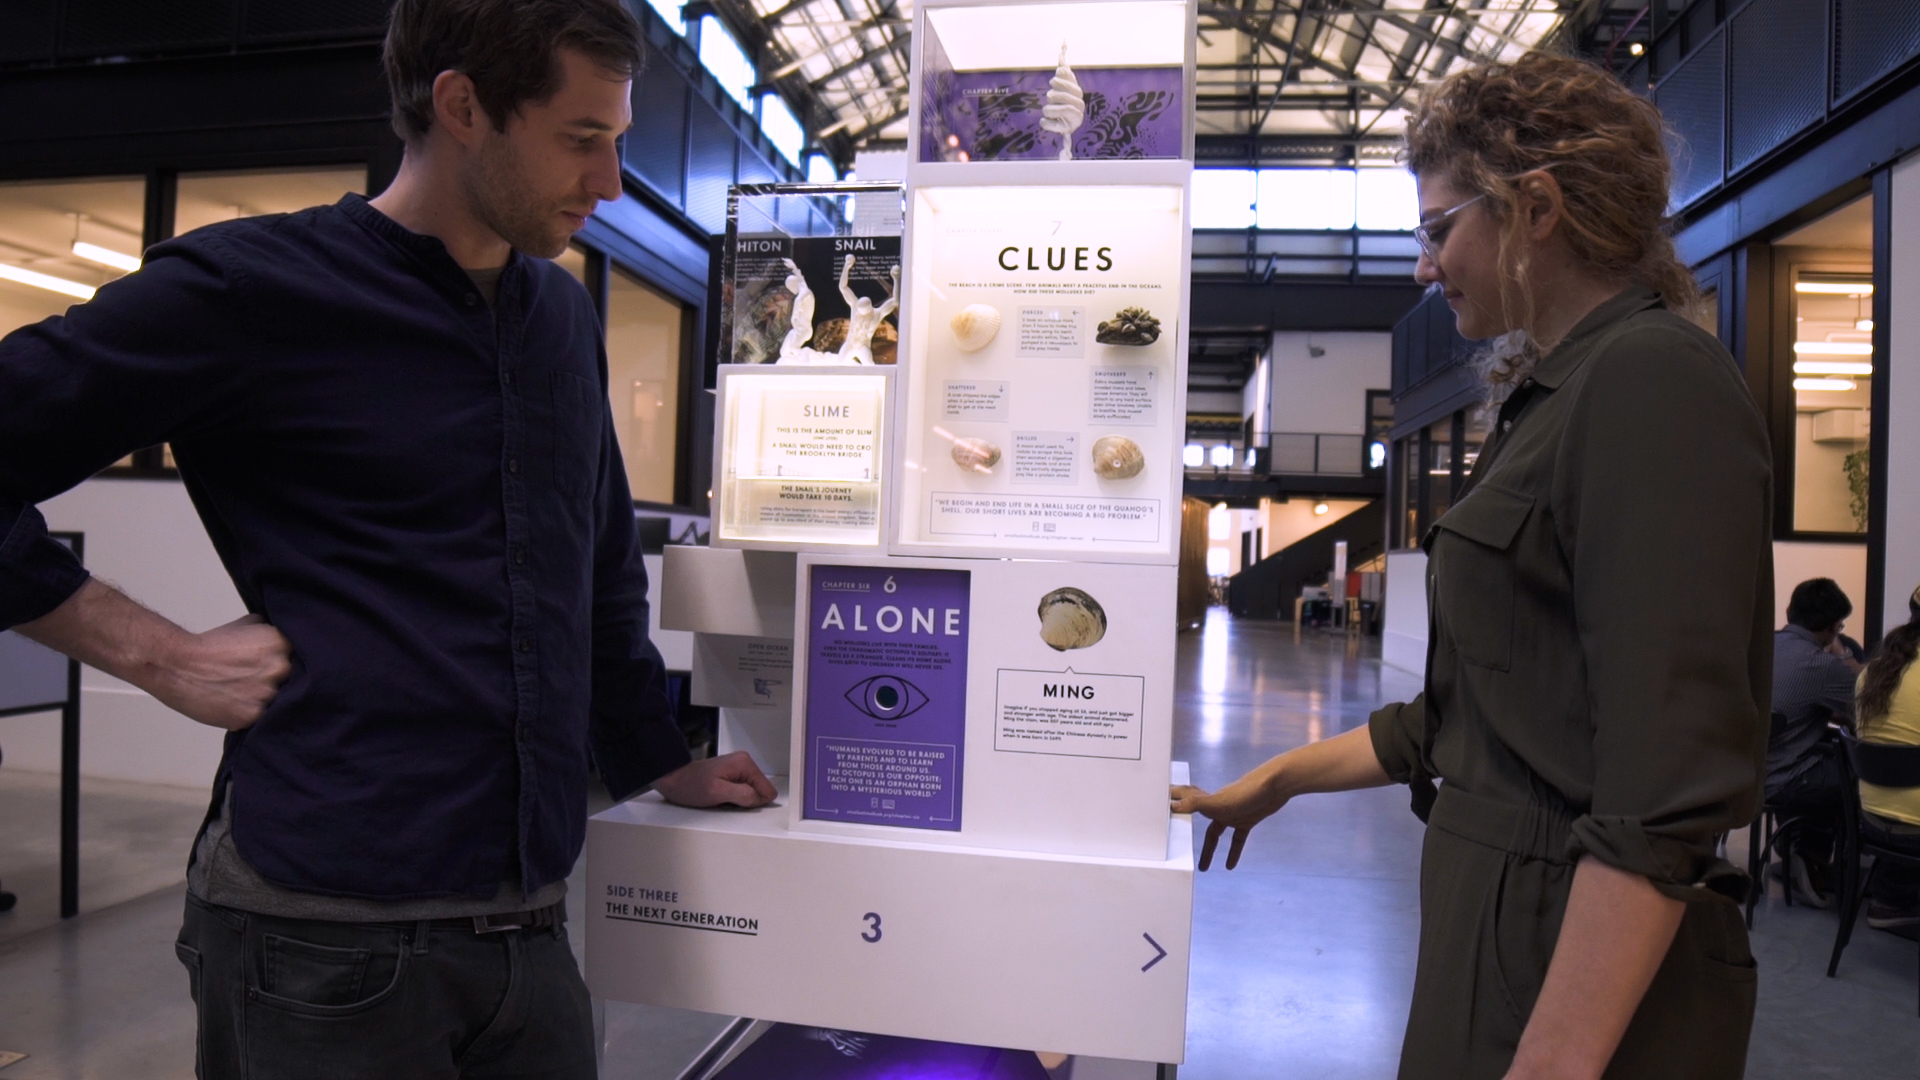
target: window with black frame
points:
(1826, 268)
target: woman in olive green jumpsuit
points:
(1599, 662)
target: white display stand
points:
(969, 718)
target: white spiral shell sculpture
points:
(1066, 107)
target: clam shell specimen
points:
(1070, 619)
(975, 455)
(1116, 457)
(974, 326)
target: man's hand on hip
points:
(729, 779)
(223, 678)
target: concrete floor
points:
(1303, 957)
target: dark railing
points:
(1264, 254)
(1293, 453)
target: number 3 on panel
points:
(873, 928)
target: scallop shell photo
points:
(1116, 457)
(1070, 619)
(974, 326)
(975, 455)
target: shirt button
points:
(1506, 425)
(507, 377)
(472, 299)
(513, 465)
(519, 555)
(525, 644)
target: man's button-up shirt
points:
(421, 492)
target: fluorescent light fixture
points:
(1835, 288)
(1833, 348)
(106, 256)
(1321, 509)
(1832, 367)
(45, 281)
(1222, 457)
(1865, 325)
(1193, 455)
(1837, 385)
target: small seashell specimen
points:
(974, 326)
(1116, 457)
(975, 455)
(1070, 619)
(1132, 326)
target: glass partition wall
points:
(62, 239)
(1824, 374)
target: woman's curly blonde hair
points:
(1485, 127)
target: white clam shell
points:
(1071, 619)
(974, 326)
(1116, 457)
(975, 455)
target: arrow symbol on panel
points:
(1156, 948)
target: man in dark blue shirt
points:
(393, 419)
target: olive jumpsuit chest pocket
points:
(1474, 573)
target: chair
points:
(1885, 766)
(1771, 834)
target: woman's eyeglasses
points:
(1428, 239)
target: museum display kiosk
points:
(938, 604)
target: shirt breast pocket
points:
(575, 433)
(1474, 573)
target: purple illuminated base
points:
(790, 1052)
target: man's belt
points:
(545, 918)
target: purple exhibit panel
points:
(886, 717)
(995, 115)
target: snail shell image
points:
(974, 326)
(1070, 619)
(1116, 457)
(975, 455)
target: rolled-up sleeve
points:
(1397, 731)
(142, 361)
(1662, 503)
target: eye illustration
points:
(886, 697)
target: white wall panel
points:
(1902, 421)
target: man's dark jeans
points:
(299, 999)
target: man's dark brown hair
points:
(509, 48)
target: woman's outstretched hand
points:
(1239, 806)
(1342, 763)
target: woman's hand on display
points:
(1239, 806)
(730, 779)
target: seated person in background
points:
(1888, 711)
(1813, 674)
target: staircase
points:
(1266, 590)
